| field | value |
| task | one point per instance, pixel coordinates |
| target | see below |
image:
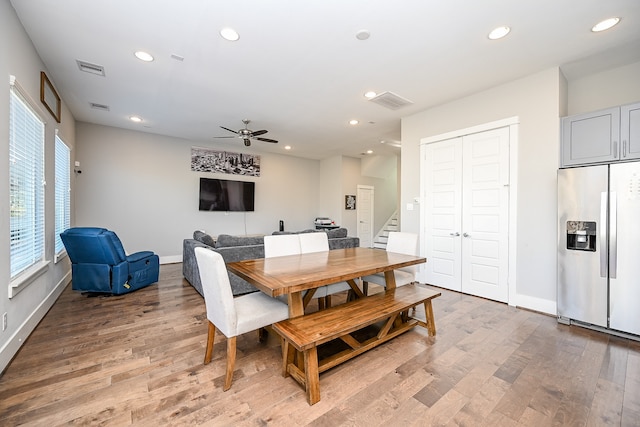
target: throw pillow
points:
(203, 237)
(226, 240)
(337, 233)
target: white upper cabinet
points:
(603, 136)
(630, 131)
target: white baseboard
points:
(537, 304)
(14, 343)
(172, 259)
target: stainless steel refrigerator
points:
(599, 247)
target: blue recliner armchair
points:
(100, 264)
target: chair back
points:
(218, 297)
(313, 242)
(403, 243)
(281, 245)
(93, 245)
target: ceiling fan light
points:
(229, 34)
(605, 25)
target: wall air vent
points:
(99, 106)
(390, 100)
(88, 67)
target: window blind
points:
(26, 176)
(63, 191)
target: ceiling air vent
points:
(390, 100)
(88, 67)
(99, 106)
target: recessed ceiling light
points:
(370, 94)
(363, 34)
(353, 122)
(287, 147)
(229, 34)
(135, 119)
(369, 151)
(498, 33)
(605, 25)
(143, 56)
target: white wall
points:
(535, 101)
(141, 186)
(329, 190)
(609, 88)
(19, 58)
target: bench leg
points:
(312, 375)
(431, 323)
(288, 355)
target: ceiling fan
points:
(247, 134)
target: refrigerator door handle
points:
(613, 235)
(603, 234)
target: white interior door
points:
(466, 214)
(485, 214)
(364, 215)
(443, 208)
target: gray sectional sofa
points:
(238, 248)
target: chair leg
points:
(262, 335)
(231, 361)
(365, 288)
(211, 333)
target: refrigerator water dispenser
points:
(581, 235)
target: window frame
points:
(62, 195)
(27, 261)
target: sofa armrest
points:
(190, 265)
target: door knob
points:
(454, 234)
(466, 234)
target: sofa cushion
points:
(226, 240)
(336, 233)
(203, 237)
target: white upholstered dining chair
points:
(281, 245)
(399, 242)
(319, 242)
(232, 316)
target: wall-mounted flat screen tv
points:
(226, 195)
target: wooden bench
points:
(306, 333)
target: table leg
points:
(296, 306)
(390, 279)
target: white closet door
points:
(485, 214)
(443, 207)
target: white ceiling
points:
(298, 69)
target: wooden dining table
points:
(294, 275)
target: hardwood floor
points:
(137, 360)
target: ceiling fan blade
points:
(267, 140)
(228, 129)
(258, 132)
